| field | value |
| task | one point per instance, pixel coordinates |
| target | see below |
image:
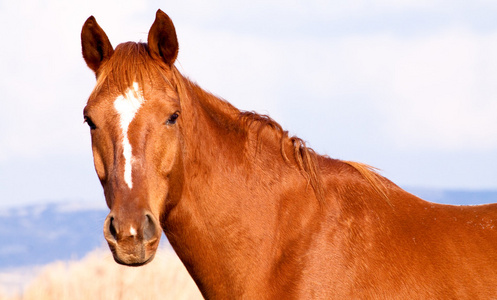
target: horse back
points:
(402, 246)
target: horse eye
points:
(90, 123)
(172, 119)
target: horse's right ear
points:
(95, 44)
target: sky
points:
(409, 87)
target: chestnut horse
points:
(252, 212)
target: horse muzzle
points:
(132, 240)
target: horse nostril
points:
(150, 228)
(112, 228)
(110, 231)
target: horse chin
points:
(134, 262)
(133, 257)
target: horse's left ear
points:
(162, 40)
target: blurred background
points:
(409, 87)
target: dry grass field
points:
(97, 276)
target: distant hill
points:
(455, 197)
(39, 234)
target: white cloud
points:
(439, 90)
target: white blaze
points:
(132, 231)
(127, 106)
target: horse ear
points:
(95, 44)
(162, 40)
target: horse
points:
(252, 212)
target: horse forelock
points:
(130, 64)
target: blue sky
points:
(407, 86)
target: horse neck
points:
(235, 185)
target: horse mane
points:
(140, 67)
(305, 157)
(371, 175)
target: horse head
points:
(134, 115)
